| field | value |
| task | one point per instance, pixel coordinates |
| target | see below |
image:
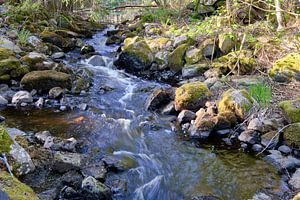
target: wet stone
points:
(223, 133)
(98, 171)
(281, 162)
(42, 136)
(257, 148)
(186, 116)
(294, 182)
(285, 149)
(249, 136)
(66, 161)
(169, 109)
(95, 189)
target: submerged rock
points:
(45, 80)
(15, 189)
(191, 96)
(96, 60)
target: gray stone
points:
(42, 136)
(261, 196)
(280, 162)
(257, 148)
(22, 97)
(179, 40)
(256, 125)
(158, 98)
(249, 136)
(270, 139)
(223, 133)
(285, 149)
(3, 101)
(96, 60)
(211, 81)
(244, 145)
(95, 189)
(39, 103)
(64, 161)
(83, 106)
(186, 116)
(56, 93)
(169, 109)
(58, 55)
(8, 44)
(63, 108)
(294, 182)
(98, 171)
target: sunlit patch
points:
(78, 120)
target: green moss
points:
(5, 140)
(286, 68)
(191, 96)
(157, 44)
(292, 135)
(19, 72)
(9, 64)
(53, 38)
(241, 62)
(176, 58)
(141, 51)
(238, 102)
(131, 40)
(15, 189)
(5, 53)
(291, 109)
(4, 78)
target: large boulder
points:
(45, 80)
(291, 135)
(238, 102)
(291, 110)
(15, 189)
(176, 58)
(286, 68)
(136, 57)
(191, 96)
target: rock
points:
(291, 109)
(270, 139)
(291, 135)
(42, 136)
(256, 125)
(95, 189)
(158, 44)
(131, 40)
(193, 55)
(294, 182)
(8, 44)
(179, 40)
(114, 39)
(87, 49)
(8, 65)
(280, 162)
(58, 55)
(261, 196)
(158, 98)
(176, 58)
(61, 42)
(191, 96)
(244, 59)
(249, 136)
(98, 171)
(238, 102)
(83, 107)
(45, 80)
(190, 71)
(186, 116)
(6, 53)
(22, 97)
(223, 133)
(257, 148)
(161, 58)
(169, 109)
(210, 82)
(5, 140)
(96, 60)
(15, 189)
(226, 42)
(64, 161)
(285, 150)
(210, 49)
(39, 103)
(34, 58)
(136, 57)
(286, 68)
(202, 127)
(3, 101)
(58, 144)
(56, 93)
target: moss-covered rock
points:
(5, 140)
(226, 42)
(239, 62)
(131, 40)
(45, 80)
(19, 72)
(53, 38)
(286, 68)
(158, 44)
(6, 53)
(176, 58)
(33, 58)
(238, 102)
(67, 22)
(15, 189)
(136, 57)
(194, 70)
(191, 96)
(193, 55)
(291, 109)
(8, 65)
(292, 135)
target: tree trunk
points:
(279, 15)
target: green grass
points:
(262, 93)
(22, 36)
(158, 15)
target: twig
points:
(273, 139)
(4, 160)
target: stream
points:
(160, 165)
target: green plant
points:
(262, 93)
(22, 36)
(158, 15)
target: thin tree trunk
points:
(279, 15)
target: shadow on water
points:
(159, 164)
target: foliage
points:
(158, 15)
(22, 36)
(262, 93)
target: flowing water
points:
(159, 164)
